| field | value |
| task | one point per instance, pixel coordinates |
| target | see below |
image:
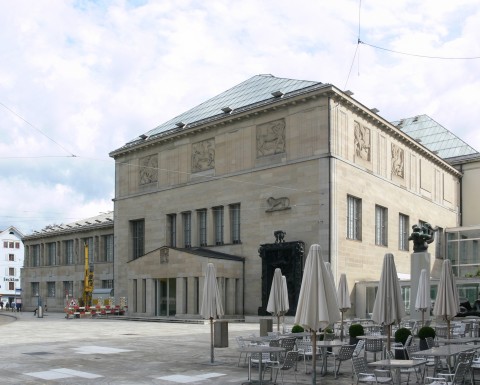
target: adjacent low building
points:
(11, 262)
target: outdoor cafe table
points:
(446, 351)
(323, 346)
(258, 349)
(397, 365)
(458, 341)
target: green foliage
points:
(426, 331)
(356, 330)
(402, 334)
(327, 330)
(297, 329)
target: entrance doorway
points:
(165, 297)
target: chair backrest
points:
(409, 340)
(288, 343)
(275, 343)
(461, 371)
(359, 348)
(360, 365)
(430, 342)
(346, 352)
(373, 345)
(389, 355)
(465, 357)
(412, 349)
(290, 361)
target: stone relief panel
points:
(398, 161)
(148, 171)
(278, 204)
(362, 142)
(164, 254)
(271, 138)
(203, 155)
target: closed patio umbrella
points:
(447, 303)
(211, 303)
(422, 302)
(343, 296)
(285, 296)
(317, 303)
(388, 307)
(277, 303)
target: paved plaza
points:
(54, 350)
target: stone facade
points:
(303, 156)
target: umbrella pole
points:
(278, 323)
(389, 332)
(423, 317)
(211, 340)
(314, 357)
(448, 328)
(341, 329)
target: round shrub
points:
(426, 331)
(297, 329)
(356, 330)
(402, 334)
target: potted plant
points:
(354, 331)
(297, 329)
(401, 336)
(423, 333)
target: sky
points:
(78, 79)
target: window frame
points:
(381, 225)
(138, 238)
(202, 227)
(219, 224)
(354, 218)
(403, 229)
(235, 223)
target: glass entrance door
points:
(165, 297)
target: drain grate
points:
(38, 353)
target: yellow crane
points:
(88, 280)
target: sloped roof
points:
(434, 136)
(101, 220)
(251, 92)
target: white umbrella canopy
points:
(277, 303)
(388, 307)
(447, 303)
(317, 303)
(422, 302)
(211, 303)
(343, 296)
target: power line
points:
(36, 128)
(417, 55)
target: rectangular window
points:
(51, 289)
(403, 228)
(187, 229)
(381, 228)
(107, 284)
(5, 244)
(354, 218)
(108, 247)
(35, 289)
(11, 257)
(218, 218)
(69, 252)
(235, 223)
(138, 238)
(11, 286)
(11, 271)
(17, 245)
(202, 227)
(36, 255)
(68, 288)
(51, 253)
(172, 229)
(11, 245)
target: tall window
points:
(354, 218)
(11, 286)
(36, 255)
(403, 228)
(50, 289)
(51, 253)
(68, 288)
(235, 223)
(69, 252)
(187, 229)
(107, 283)
(138, 238)
(108, 248)
(381, 229)
(202, 227)
(218, 218)
(35, 289)
(172, 229)
(11, 257)
(11, 271)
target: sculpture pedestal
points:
(419, 261)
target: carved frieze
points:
(277, 204)
(271, 138)
(362, 142)
(398, 164)
(148, 171)
(203, 155)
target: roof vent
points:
(375, 110)
(349, 93)
(277, 94)
(227, 110)
(180, 124)
(143, 136)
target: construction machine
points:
(88, 280)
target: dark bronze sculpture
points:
(422, 236)
(279, 236)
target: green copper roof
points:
(434, 136)
(252, 91)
